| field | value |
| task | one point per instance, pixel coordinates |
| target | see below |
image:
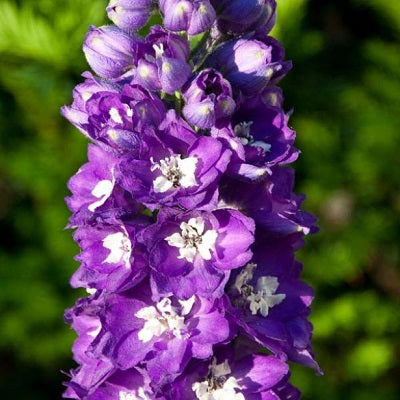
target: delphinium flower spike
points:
(185, 212)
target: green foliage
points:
(40, 61)
(345, 88)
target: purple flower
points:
(272, 304)
(265, 133)
(178, 168)
(250, 64)
(97, 197)
(252, 377)
(76, 113)
(132, 384)
(163, 65)
(94, 183)
(270, 203)
(110, 51)
(111, 259)
(260, 138)
(163, 334)
(92, 371)
(115, 119)
(192, 16)
(129, 15)
(185, 212)
(208, 99)
(192, 253)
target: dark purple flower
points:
(192, 253)
(272, 96)
(249, 64)
(259, 137)
(208, 99)
(265, 133)
(192, 16)
(129, 15)
(273, 303)
(96, 196)
(110, 51)
(271, 203)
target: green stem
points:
(200, 44)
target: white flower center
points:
(193, 240)
(139, 395)
(175, 173)
(120, 248)
(164, 318)
(102, 191)
(217, 386)
(158, 49)
(242, 131)
(264, 296)
(245, 275)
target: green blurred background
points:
(345, 91)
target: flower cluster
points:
(184, 213)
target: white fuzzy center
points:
(217, 386)
(264, 296)
(193, 240)
(175, 173)
(242, 131)
(164, 318)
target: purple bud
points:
(193, 16)
(173, 73)
(167, 54)
(250, 64)
(208, 99)
(272, 96)
(239, 16)
(129, 15)
(267, 19)
(168, 44)
(201, 114)
(109, 51)
(147, 75)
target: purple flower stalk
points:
(185, 212)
